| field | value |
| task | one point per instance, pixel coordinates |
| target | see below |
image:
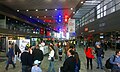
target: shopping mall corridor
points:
(45, 63)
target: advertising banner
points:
(23, 43)
(71, 25)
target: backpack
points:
(108, 65)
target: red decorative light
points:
(42, 31)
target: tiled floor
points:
(45, 63)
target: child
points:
(35, 68)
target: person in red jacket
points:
(89, 56)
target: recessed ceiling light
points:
(71, 8)
(59, 16)
(55, 9)
(36, 10)
(30, 16)
(27, 10)
(37, 16)
(45, 9)
(73, 12)
(82, 2)
(18, 10)
(44, 16)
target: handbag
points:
(52, 58)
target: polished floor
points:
(45, 63)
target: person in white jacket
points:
(51, 59)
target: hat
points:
(36, 62)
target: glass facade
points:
(104, 8)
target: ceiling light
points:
(38, 20)
(55, 9)
(16, 21)
(73, 12)
(27, 10)
(45, 9)
(18, 10)
(30, 16)
(59, 20)
(36, 10)
(59, 16)
(44, 16)
(71, 8)
(81, 2)
(37, 16)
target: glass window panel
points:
(118, 6)
(117, 1)
(101, 14)
(104, 13)
(106, 1)
(109, 5)
(98, 11)
(98, 7)
(108, 11)
(101, 5)
(113, 9)
(105, 7)
(98, 16)
(101, 9)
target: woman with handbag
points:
(89, 56)
(51, 59)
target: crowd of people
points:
(31, 58)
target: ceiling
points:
(45, 9)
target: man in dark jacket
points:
(69, 64)
(26, 60)
(37, 54)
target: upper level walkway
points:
(45, 63)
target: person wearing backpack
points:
(115, 62)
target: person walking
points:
(116, 62)
(10, 57)
(51, 59)
(99, 54)
(89, 56)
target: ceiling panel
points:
(86, 7)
